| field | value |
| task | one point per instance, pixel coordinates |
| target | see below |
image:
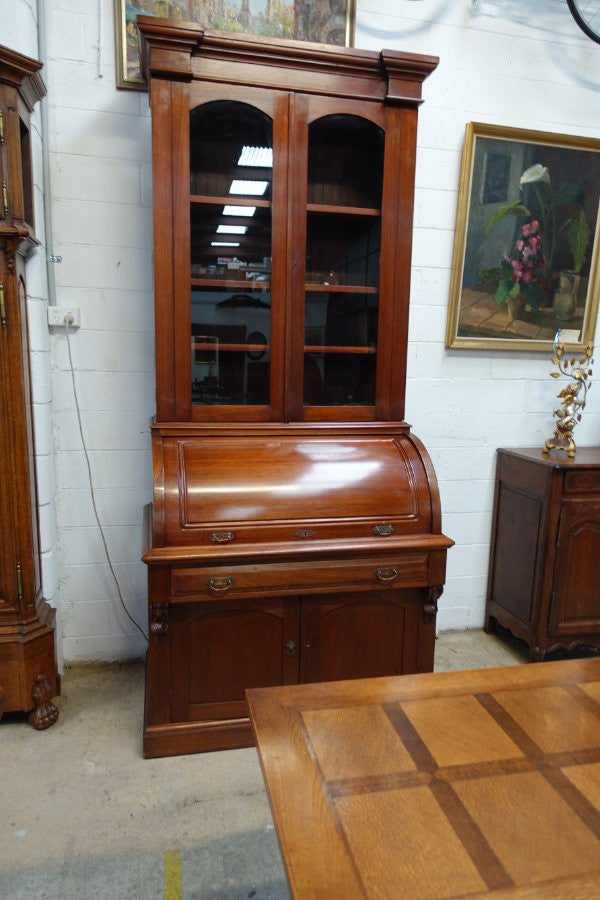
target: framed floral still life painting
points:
(323, 22)
(526, 251)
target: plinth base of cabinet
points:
(179, 738)
(539, 646)
(28, 673)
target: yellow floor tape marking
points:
(172, 870)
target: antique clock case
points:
(28, 672)
(295, 529)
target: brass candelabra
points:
(573, 396)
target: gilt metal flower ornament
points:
(573, 396)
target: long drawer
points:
(206, 583)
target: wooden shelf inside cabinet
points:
(296, 527)
(343, 210)
(319, 349)
(231, 284)
(337, 288)
(247, 348)
(229, 199)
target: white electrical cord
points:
(68, 321)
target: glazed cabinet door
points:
(220, 649)
(575, 606)
(226, 346)
(346, 303)
(360, 635)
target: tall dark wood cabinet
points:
(295, 531)
(28, 673)
(544, 578)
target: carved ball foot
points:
(45, 712)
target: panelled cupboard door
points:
(9, 603)
(19, 548)
(230, 202)
(359, 635)
(575, 606)
(220, 649)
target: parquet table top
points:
(440, 785)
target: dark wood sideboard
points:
(544, 575)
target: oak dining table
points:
(454, 784)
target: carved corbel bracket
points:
(167, 47)
(406, 73)
(15, 238)
(159, 618)
(430, 606)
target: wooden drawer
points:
(586, 482)
(410, 570)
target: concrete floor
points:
(82, 815)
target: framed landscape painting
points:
(526, 251)
(324, 22)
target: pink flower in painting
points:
(517, 269)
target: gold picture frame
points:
(527, 245)
(333, 26)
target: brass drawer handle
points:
(290, 648)
(220, 585)
(383, 530)
(221, 537)
(389, 574)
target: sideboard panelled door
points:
(574, 608)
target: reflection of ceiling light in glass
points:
(249, 188)
(256, 156)
(232, 229)
(239, 211)
(224, 243)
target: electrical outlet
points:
(59, 316)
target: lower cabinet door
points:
(220, 649)
(575, 604)
(360, 635)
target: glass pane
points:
(345, 162)
(230, 150)
(340, 347)
(231, 161)
(342, 249)
(218, 252)
(230, 346)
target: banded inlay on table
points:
(437, 785)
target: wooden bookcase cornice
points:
(172, 50)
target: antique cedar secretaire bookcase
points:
(295, 532)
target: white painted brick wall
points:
(510, 63)
(102, 220)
